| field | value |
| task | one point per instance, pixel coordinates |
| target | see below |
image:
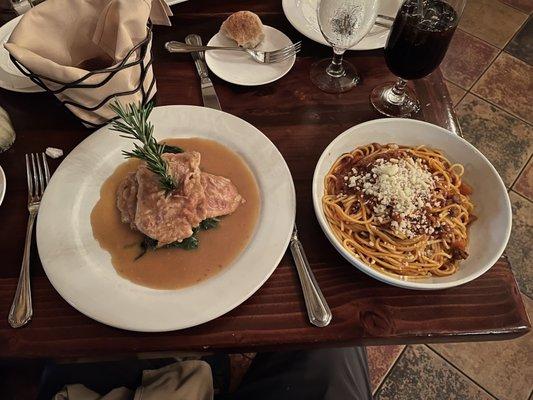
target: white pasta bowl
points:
(488, 235)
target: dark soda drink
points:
(420, 37)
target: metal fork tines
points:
(38, 175)
(264, 57)
(278, 55)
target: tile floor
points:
(489, 72)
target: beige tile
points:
(508, 83)
(456, 93)
(420, 374)
(503, 368)
(492, 21)
(524, 184)
(380, 361)
(520, 246)
(503, 138)
(466, 59)
(522, 5)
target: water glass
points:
(343, 24)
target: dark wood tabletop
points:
(301, 121)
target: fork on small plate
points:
(263, 57)
(38, 175)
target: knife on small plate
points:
(209, 95)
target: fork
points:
(263, 57)
(38, 175)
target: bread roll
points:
(245, 28)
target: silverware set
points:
(38, 175)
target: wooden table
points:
(301, 121)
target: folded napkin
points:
(63, 40)
(186, 380)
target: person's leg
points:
(325, 374)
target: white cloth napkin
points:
(63, 40)
(185, 380)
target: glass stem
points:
(335, 69)
(396, 94)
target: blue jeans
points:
(323, 374)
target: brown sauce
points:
(177, 268)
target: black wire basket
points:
(91, 105)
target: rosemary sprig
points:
(135, 125)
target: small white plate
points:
(81, 271)
(172, 2)
(239, 68)
(3, 184)
(10, 76)
(302, 15)
(488, 234)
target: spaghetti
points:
(402, 210)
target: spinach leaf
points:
(209, 223)
(190, 243)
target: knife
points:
(209, 95)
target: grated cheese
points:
(401, 190)
(52, 152)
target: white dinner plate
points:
(239, 67)
(3, 184)
(302, 15)
(10, 76)
(488, 235)
(82, 272)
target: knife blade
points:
(209, 95)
